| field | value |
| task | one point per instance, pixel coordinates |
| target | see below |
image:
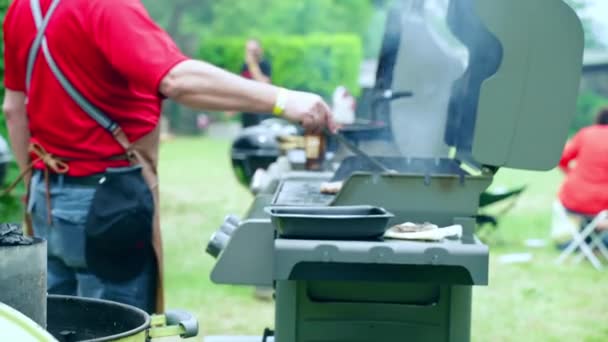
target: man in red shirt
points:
(585, 163)
(584, 192)
(125, 65)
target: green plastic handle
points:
(173, 323)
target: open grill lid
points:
(492, 84)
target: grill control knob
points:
(219, 240)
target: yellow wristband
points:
(281, 102)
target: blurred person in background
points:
(344, 106)
(121, 62)
(259, 69)
(584, 192)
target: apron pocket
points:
(67, 236)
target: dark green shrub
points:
(10, 206)
(3, 7)
(316, 63)
(589, 103)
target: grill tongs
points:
(387, 95)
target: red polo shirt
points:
(112, 52)
(585, 161)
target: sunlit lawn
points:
(538, 301)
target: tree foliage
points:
(290, 17)
(188, 20)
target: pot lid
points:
(15, 326)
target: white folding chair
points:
(595, 232)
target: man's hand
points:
(309, 110)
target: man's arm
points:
(203, 86)
(193, 83)
(17, 123)
(14, 97)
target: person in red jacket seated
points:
(585, 163)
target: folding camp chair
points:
(587, 240)
(487, 220)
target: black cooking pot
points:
(71, 319)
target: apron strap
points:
(90, 109)
(51, 163)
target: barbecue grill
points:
(494, 88)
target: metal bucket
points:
(23, 279)
(72, 319)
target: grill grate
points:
(302, 193)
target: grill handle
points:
(174, 323)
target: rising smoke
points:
(430, 59)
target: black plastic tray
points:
(330, 223)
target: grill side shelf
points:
(452, 262)
(248, 257)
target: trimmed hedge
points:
(316, 63)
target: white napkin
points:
(423, 232)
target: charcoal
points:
(11, 234)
